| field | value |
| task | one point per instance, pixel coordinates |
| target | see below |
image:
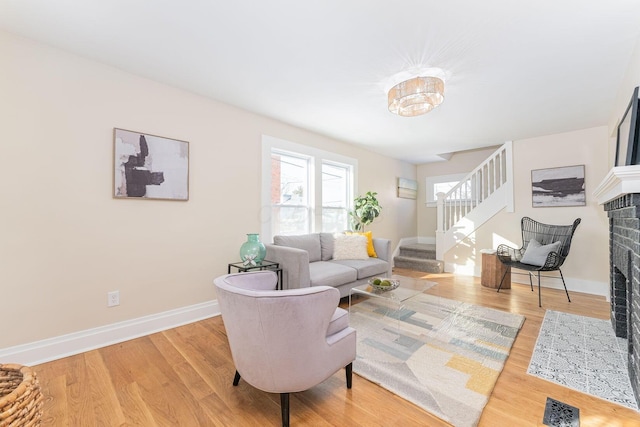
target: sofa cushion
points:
(326, 246)
(365, 268)
(328, 273)
(348, 246)
(307, 242)
(339, 321)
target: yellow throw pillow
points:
(370, 249)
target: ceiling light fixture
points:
(416, 96)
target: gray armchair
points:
(284, 341)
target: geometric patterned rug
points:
(443, 355)
(584, 354)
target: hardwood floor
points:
(183, 376)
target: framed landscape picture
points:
(149, 166)
(407, 188)
(562, 186)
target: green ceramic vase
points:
(252, 252)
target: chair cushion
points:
(536, 254)
(325, 273)
(339, 321)
(307, 242)
(350, 247)
(366, 268)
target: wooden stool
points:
(493, 270)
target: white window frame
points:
(269, 144)
(431, 181)
(350, 188)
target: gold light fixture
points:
(416, 96)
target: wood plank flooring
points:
(183, 376)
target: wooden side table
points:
(493, 270)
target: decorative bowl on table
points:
(383, 284)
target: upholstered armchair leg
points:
(531, 281)
(236, 378)
(284, 408)
(349, 371)
(564, 284)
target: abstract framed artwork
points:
(407, 188)
(149, 166)
(556, 187)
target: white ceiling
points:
(514, 69)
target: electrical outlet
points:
(113, 298)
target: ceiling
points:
(513, 69)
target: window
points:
(336, 197)
(441, 184)
(307, 189)
(291, 207)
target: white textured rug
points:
(584, 354)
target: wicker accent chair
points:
(284, 341)
(548, 248)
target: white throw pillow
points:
(536, 254)
(350, 247)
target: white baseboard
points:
(78, 342)
(573, 285)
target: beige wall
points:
(586, 268)
(66, 242)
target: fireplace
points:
(620, 195)
(624, 263)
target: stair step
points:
(418, 250)
(419, 264)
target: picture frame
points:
(558, 187)
(407, 188)
(627, 151)
(148, 166)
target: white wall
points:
(587, 268)
(630, 81)
(65, 242)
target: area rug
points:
(584, 354)
(444, 356)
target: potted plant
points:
(365, 209)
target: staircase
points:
(418, 257)
(483, 193)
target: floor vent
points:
(558, 414)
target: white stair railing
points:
(492, 177)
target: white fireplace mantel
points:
(619, 181)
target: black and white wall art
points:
(149, 166)
(562, 186)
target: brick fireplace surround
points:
(620, 195)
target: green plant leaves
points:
(365, 209)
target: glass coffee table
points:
(395, 298)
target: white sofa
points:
(307, 260)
